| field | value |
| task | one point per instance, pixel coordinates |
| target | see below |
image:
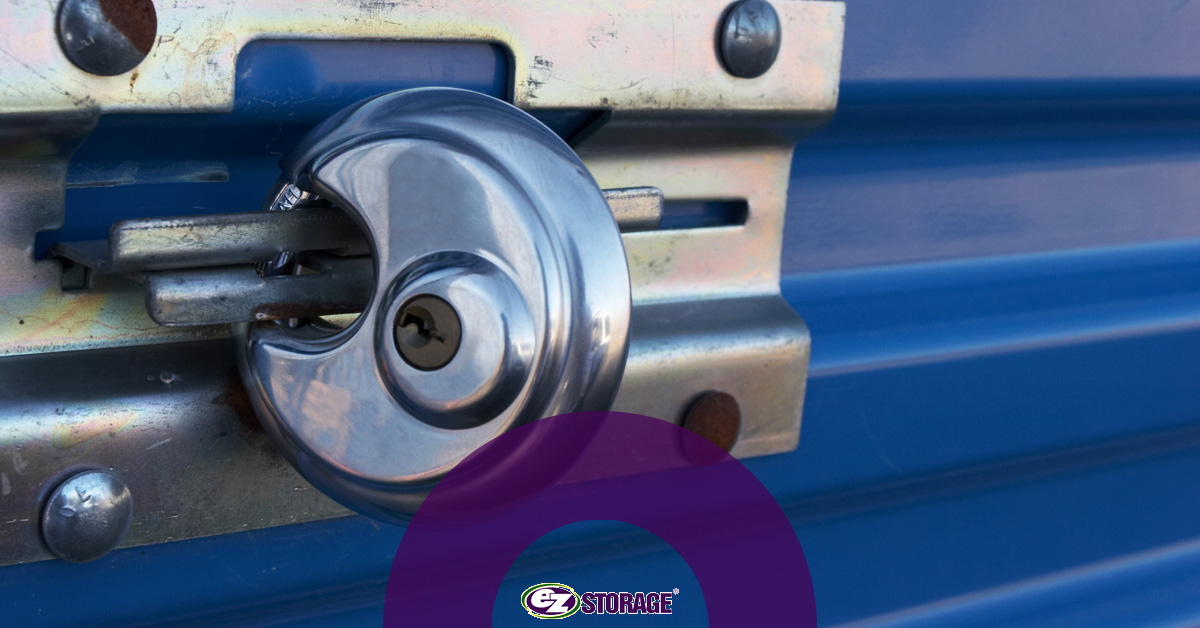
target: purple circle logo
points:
(550, 600)
(598, 466)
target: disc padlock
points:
(501, 296)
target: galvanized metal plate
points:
(657, 55)
(172, 421)
(697, 293)
(706, 316)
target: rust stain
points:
(717, 417)
(136, 19)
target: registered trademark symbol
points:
(675, 591)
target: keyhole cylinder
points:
(428, 332)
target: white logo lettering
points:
(557, 602)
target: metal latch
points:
(392, 252)
(215, 269)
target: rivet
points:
(86, 516)
(107, 37)
(749, 38)
(717, 417)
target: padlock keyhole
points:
(419, 328)
(427, 332)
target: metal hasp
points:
(488, 233)
(91, 381)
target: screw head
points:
(427, 332)
(87, 516)
(107, 37)
(749, 38)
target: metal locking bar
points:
(189, 265)
(235, 294)
(149, 244)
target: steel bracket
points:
(90, 380)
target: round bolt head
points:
(87, 516)
(428, 332)
(717, 417)
(749, 38)
(107, 37)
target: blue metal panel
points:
(996, 244)
(999, 127)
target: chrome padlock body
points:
(467, 200)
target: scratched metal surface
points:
(592, 57)
(997, 249)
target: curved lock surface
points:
(467, 199)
